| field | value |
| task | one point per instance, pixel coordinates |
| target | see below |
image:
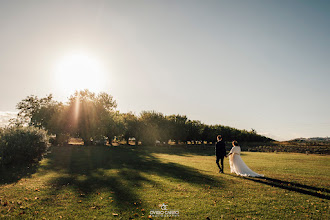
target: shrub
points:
(22, 145)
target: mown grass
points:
(127, 182)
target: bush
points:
(22, 145)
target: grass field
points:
(127, 182)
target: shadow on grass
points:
(12, 174)
(185, 150)
(120, 171)
(292, 186)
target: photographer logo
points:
(164, 212)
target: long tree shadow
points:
(120, 170)
(185, 150)
(12, 174)
(322, 193)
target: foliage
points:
(114, 125)
(177, 127)
(22, 145)
(131, 127)
(151, 126)
(91, 116)
(35, 111)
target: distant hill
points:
(313, 139)
(315, 145)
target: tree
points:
(92, 116)
(114, 126)
(34, 111)
(131, 127)
(150, 126)
(194, 130)
(178, 127)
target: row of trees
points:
(91, 116)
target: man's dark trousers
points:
(220, 153)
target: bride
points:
(236, 163)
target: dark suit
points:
(220, 153)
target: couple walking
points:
(236, 163)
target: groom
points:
(220, 152)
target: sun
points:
(79, 71)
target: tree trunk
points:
(110, 140)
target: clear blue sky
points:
(246, 64)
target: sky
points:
(245, 64)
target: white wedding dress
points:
(238, 166)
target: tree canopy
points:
(91, 117)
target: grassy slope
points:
(98, 182)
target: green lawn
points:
(127, 182)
